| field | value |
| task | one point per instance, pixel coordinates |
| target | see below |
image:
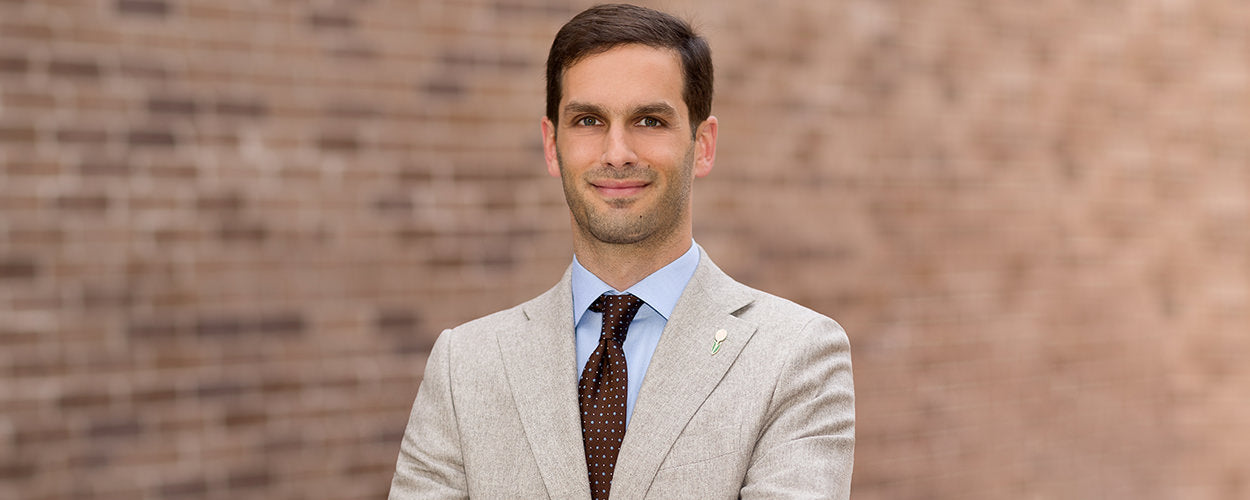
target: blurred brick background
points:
(230, 231)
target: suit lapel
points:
(683, 372)
(539, 358)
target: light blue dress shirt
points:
(660, 291)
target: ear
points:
(549, 147)
(705, 147)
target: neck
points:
(623, 265)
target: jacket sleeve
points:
(806, 448)
(431, 465)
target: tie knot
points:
(618, 311)
(609, 304)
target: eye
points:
(587, 121)
(650, 122)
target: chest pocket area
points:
(699, 445)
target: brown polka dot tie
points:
(602, 391)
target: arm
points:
(430, 461)
(807, 446)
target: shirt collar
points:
(660, 290)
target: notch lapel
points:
(683, 372)
(539, 357)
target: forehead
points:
(625, 76)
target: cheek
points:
(663, 152)
(577, 151)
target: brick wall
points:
(230, 231)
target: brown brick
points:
(388, 436)
(153, 329)
(354, 50)
(87, 398)
(154, 396)
(146, 69)
(356, 468)
(28, 99)
(511, 9)
(151, 138)
(172, 106)
(90, 459)
(223, 202)
(284, 443)
(17, 134)
(37, 367)
(214, 390)
(401, 322)
(14, 64)
(32, 168)
(186, 488)
(176, 236)
(23, 31)
(37, 235)
(325, 20)
(217, 327)
(74, 68)
(244, 108)
(352, 111)
(338, 143)
(36, 300)
(17, 268)
(122, 427)
(83, 202)
(146, 8)
(14, 469)
(243, 232)
(104, 167)
(249, 478)
(176, 171)
(342, 382)
(41, 434)
(283, 324)
(443, 88)
(414, 174)
(245, 417)
(281, 385)
(66, 136)
(398, 204)
(461, 58)
(223, 139)
(177, 357)
(154, 202)
(97, 297)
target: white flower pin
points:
(720, 337)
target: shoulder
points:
(487, 325)
(778, 319)
(770, 310)
(786, 330)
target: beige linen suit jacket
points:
(770, 415)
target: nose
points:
(617, 150)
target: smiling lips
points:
(619, 188)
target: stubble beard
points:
(656, 224)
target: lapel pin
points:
(720, 337)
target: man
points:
(646, 371)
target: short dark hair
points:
(603, 27)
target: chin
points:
(617, 232)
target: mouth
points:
(619, 188)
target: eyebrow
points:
(662, 109)
(577, 108)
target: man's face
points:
(623, 147)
